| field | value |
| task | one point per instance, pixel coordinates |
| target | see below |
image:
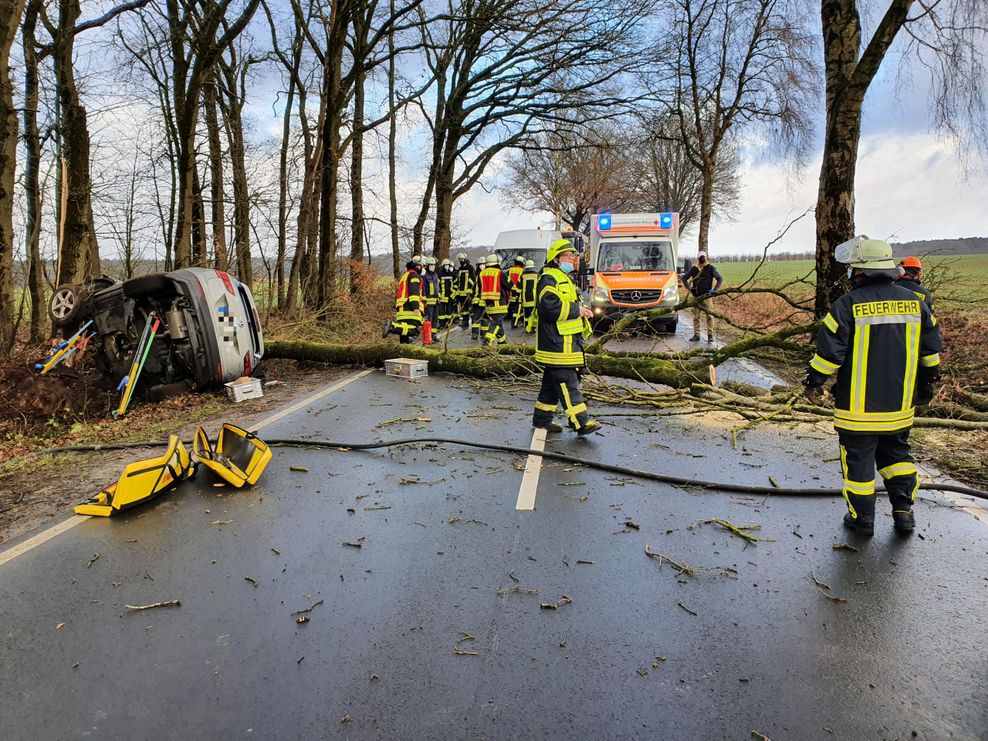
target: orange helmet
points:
(911, 262)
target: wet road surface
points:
(746, 641)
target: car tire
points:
(66, 305)
(147, 285)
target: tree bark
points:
(706, 205)
(10, 16)
(217, 196)
(847, 81)
(32, 172)
(78, 257)
(392, 155)
(234, 100)
(335, 107)
(356, 178)
(199, 254)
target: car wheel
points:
(146, 285)
(66, 305)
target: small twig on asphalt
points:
(739, 530)
(153, 605)
(252, 580)
(458, 652)
(93, 560)
(517, 588)
(555, 605)
(682, 568)
(691, 612)
(819, 583)
(844, 547)
(308, 609)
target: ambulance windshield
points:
(637, 255)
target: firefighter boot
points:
(549, 427)
(695, 338)
(588, 428)
(903, 521)
(861, 525)
(387, 329)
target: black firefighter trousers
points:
(860, 453)
(560, 386)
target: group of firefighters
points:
(879, 342)
(481, 298)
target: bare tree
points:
(730, 64)
(948, 37)
(10, 12)
(508, 70)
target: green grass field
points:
(955, 281)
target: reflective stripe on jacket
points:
(409, 292)
(916, 287)
(430, 288)
(529, 280)
(561, 329)
(878, 339)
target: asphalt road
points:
(745, 641)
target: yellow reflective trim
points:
(843, 469)
(886, 308)
(930, 361)
(830, 323)
(862, 488)
(912, 355)
(822, 365)
(903, 468)
(859, 369)
(933, 318)
(880, 416)
(547, 357)
(545, 407)
(871, 426)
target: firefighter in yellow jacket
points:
(882, 343)
(494, 292)
(563, 326)
(409, 304)
(526, 304)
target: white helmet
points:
(461, 255)
(430, 260)
(865, 254)
(530, 264)
(482, 261)
(520, 258)
(493, 259)
(417, 259)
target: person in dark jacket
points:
(911, 277)
(478, 320)
(882, 344)
(430, 292)
(702, 280)
(563, 327)
(447, 288)
(465, 277)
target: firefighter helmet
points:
(911, 262)
(430, 260)
(482, 261)
(417, 259)
(530, 264)
(493, 260)
(461, 255)
(559, 247)
(520, 258)
(447, 263)
(865, 254)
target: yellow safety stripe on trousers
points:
(545, 407)
(830, 323)
(569, 410)
(904, 468)
(859, 369)
(860, 488)
(404, 327)
(822, 365)
(930, 361)
(843, 470)
(497, 308)
(912, 357)
(408, 316)
(896, 416)
(547, 357)
(841, 424)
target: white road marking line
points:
(43, 537)
(533, 467)
(311, 399)
(55, 530)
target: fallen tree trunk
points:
(510, 360)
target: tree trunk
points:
(286, 138)
(79, 251)
(217, 196)
(706, 204)
(444, 195)
(199, 255)
(335, 106)
(356, 178)
(392, 155)
(10, 16)
(32, 173)
(241, 189)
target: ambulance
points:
(632, 264)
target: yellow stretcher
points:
(239, 457)
(141, 481)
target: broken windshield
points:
(636, 255)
